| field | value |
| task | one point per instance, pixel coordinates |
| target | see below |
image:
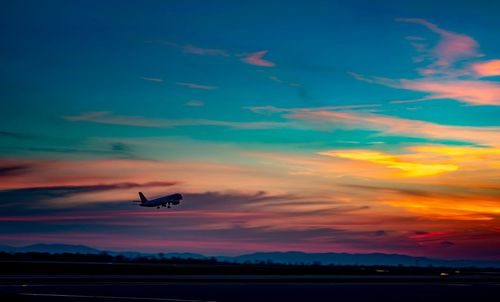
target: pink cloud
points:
(191, 49)
(398, 126)
(468, 91)
(452, 46)
(204, 51)
(472, 91)
(256, 59)
(441, 79)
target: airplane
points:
(164, 201)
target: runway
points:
(253, 291)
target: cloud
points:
(106, 117)
(467, 91)
(87, 116)
(471, 91)
(204, 51)
(196, 86)
(196, 50)
(487, 69)
(34, 196)
(221, 220)
(195, 103)
(275, 79)
(15, 169)
(433, 204)
(445, 78)
(411, 169)
(157, 80)
(256, 59)
(269, 109)
(323, 119)
(16, 135)
(452, 46)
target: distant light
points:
(443, 274)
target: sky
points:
(315, 126)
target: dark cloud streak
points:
(12, 170)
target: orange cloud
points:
(411, 169)
(459, 152)
(449, 208)
(487, 69)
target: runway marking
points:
(113, 297)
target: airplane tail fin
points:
(143, 198)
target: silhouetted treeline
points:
(101, 257)
(107, 264)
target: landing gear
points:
(169, 206)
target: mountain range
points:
(275, 257)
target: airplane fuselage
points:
(164, 201)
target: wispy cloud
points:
(16, 135)
(196, 86)
(157, 80)
(87, 116)
(204, 51)
(196, 50)
(256, 58)
(106, 117)
(324, 118)
(33, 197)
(410, 169)
(471, 91)
(467, 91)
(445, 77)
(195, 103)
(14, 169)
(275, 79)
(272, 109)
(452, 46)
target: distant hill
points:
(57, 248)
(275, 257)
(50, 248)
(185, 255)
(355, 259)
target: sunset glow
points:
(339, 126)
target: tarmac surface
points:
(217, 291)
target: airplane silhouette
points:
(164, 201)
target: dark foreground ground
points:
(250, 291)
(43, 279)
